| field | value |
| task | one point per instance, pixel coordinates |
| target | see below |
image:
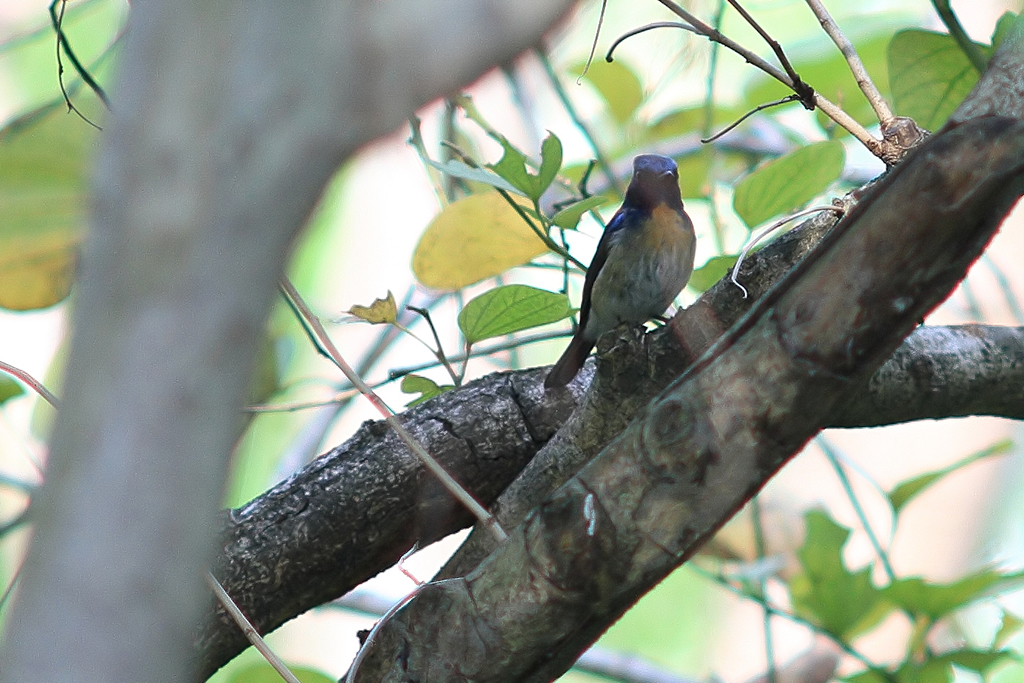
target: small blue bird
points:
(644, 259)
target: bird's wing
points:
(600, 256)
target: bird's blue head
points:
(655, 181)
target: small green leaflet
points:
(907, 490)
(458, 169)
(427, 388)
(843, 602)
(789, 182)
(511, 308)
(512, 167)
(711, 272)
(569, 216)
(934, 600)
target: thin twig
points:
(841, 118)
(570, 109)
(28, 379)
(9, 590)
(57, 19)
(802, 89)
(831, 455)
(760, 107)
(643, 29)
(774, 226)
(956, 29)
(593, 45)
(372, 635)
(439, 351)
(302, 405)
(864, 82)
(250, 632)
(811, 626)
(477, 352)
(324, 341)
(762, 584)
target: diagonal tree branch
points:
(283, 553)
(712, 439)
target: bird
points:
(643, 260)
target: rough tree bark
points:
(706, 444)
(228, 119)
(283, 554)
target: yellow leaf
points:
(380, 311)
(43, 172)
(36, 271)
(472, 239)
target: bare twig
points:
(439, 351)
(864, 82)
(593, 45)
(435, 468)
(644, 29)
(249, 630)
(830, 109)
(57, 19)
(803, 91)
(570, 109)
(767, 231)
(28, 379)
(760, 107)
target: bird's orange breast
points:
(666, 229)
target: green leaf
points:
(939, 668)
(711, 272)
(907, 490)
(929, 75)
(788, 182)
(978, 661)
(380, 311)
(570, 216)
(934, 600)
(1003, 26)
(1009, 628)
(458, 169)
(867, 676)
(9, 388)
(508, 309)
(844, 603)
(427, 388)
(264, 673)
(695, 172)
(512, 167)
(550, 162)
(618, 86)
(43, 179)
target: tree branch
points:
(709, 442)
(281, 527)
(713, 438)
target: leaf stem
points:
(433, 466)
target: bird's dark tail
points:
(570, 363)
